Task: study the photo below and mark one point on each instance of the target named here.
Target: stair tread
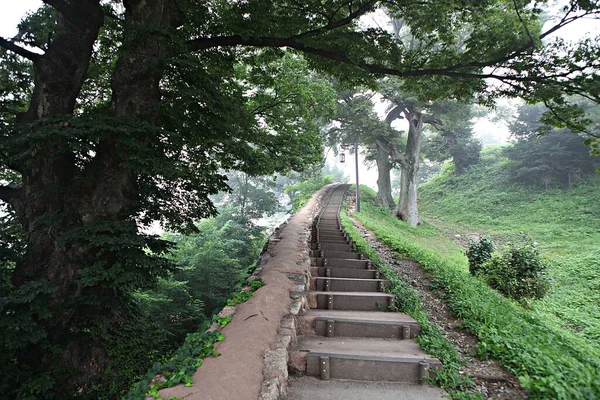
(357, 294)
(362, 316)
(349, 279)
(372, 348)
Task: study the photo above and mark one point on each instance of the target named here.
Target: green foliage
(301, 192)
(431, 338)
(253, 197)
(182, 365)
(455, 139)
(478, 252)
(518, 271)
(563, 221)
(550, 362)
(212, 261)
(557, 158)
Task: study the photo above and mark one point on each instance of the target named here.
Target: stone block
(297, 361)
(275, 362)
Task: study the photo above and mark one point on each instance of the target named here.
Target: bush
(518, 271)
(478, 252)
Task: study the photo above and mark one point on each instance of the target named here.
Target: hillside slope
(565, 223)
(551, 362)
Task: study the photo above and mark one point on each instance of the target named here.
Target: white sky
(11, 12)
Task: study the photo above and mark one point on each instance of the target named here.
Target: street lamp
(342, 155)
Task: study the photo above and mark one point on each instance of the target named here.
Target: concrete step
(365, 359)
(311, 388)
(338, 272)
(339, 240)
(329, 226)
(328, 218)
(327, 231)
(328, 222)
(391, 325)
(344, 255)
(333, 247)
(357, 301)
(332, 284)
(330, 236)
(346, 263)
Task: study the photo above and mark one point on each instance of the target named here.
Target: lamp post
(356, 161)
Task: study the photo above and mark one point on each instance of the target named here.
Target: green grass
(431, 338)
(550, 362)
(565, 223)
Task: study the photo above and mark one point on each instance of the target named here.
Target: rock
(269, 389)
(227, 311)
(296, 307)
(158, 379)
(276, 363)
(297, 361)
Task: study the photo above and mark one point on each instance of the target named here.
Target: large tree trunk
(75, 278)
(407, 209)
(49, 270)
(384, 184)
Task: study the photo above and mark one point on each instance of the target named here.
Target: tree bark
(384, 185)
(407, 209)
(53, 206)
(45, 200)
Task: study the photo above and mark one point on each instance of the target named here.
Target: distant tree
(252, 197)
(558, 157)
(335, 172)
(413, 108)
(455, 139)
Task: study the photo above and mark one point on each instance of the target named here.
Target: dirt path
(492, 380)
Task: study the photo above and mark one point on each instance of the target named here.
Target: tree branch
(339, 23)
(455, 71)
(7, 44)
(436, 122)
(523, 22)
(397, 156)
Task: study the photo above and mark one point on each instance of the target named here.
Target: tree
(146, 139)
(556, 157)
(455, 140)
(356, 120)
(408, 106)
(253, 197)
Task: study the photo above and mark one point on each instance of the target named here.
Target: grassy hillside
(551, 362)
(565, 223)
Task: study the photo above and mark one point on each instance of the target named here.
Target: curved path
(349, 345)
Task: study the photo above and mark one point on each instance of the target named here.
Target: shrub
(518, 271)
(478, 252)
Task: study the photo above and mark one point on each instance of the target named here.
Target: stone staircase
(348, 332)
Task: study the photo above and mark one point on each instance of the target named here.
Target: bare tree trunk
(384, 185)
(407, 209)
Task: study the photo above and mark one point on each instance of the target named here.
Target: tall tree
(357, 120)
(146, 140)
(409, 108)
